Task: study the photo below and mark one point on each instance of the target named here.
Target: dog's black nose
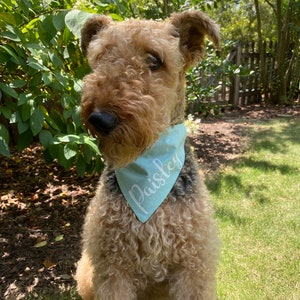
(103, 122)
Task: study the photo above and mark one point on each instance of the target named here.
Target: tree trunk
(166, 7)
(280, 82)
(262, 57)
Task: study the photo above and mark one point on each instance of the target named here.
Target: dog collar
(146, 182)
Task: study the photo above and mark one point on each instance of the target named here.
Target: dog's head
(136, 88)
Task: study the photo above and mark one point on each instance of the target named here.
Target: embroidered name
(147, 181)
(139, 194)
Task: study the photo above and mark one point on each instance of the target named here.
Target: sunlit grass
(257, 202)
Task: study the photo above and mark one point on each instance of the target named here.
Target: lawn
(257, 204)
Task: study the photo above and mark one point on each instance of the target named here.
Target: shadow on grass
(228, 215)
(266, 166)
(233, 184)
(273, 139)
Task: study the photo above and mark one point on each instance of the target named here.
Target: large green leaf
(4, 141)
(57, 151)
(25, 139)
(47, 78)
(59, 20)
(4, 149)
(6, 111)
(23, 98)
(58, 63)
(75, 20)
(90, 142)
(27, 110)
(80, 165)
(18, 83)
(36, 65)
(70, 138)
(22, 126)
(36, 121)
(70, 150)
(8, 90)
(46, 29)
(45, 138)
(12, 33)
(4, 133)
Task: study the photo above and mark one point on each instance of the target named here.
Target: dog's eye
(153, 62)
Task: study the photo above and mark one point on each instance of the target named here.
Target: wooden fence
(238, 89)
(245, 90)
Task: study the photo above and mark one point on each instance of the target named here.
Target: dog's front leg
(191, 285)
(114, 286)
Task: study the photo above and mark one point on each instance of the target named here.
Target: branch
(272, 6)
(132, 10)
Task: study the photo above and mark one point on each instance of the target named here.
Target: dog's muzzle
(103, 122)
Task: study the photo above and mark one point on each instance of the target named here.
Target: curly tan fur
(174, 254)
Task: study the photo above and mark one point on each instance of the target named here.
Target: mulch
(42, 206)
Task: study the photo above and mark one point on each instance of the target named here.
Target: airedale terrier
(149, 232)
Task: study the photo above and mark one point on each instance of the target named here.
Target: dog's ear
(90, 29)
(192, 27)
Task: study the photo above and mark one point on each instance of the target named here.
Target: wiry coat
(174, 254)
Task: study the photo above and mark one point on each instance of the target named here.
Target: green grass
(257, 203)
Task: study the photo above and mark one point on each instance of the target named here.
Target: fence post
(236, 79)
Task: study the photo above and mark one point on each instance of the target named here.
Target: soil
(42, 206)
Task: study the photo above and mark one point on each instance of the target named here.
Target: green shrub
(208, 77)
(41, 71)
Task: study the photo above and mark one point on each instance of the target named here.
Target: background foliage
(42, 65)
(41, 72)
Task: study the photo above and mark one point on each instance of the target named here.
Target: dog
(149, 232)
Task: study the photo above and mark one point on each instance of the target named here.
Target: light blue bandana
(146, 182)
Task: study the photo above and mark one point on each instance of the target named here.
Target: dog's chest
(150, 247)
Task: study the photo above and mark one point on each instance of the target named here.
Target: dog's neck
(146, 182)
